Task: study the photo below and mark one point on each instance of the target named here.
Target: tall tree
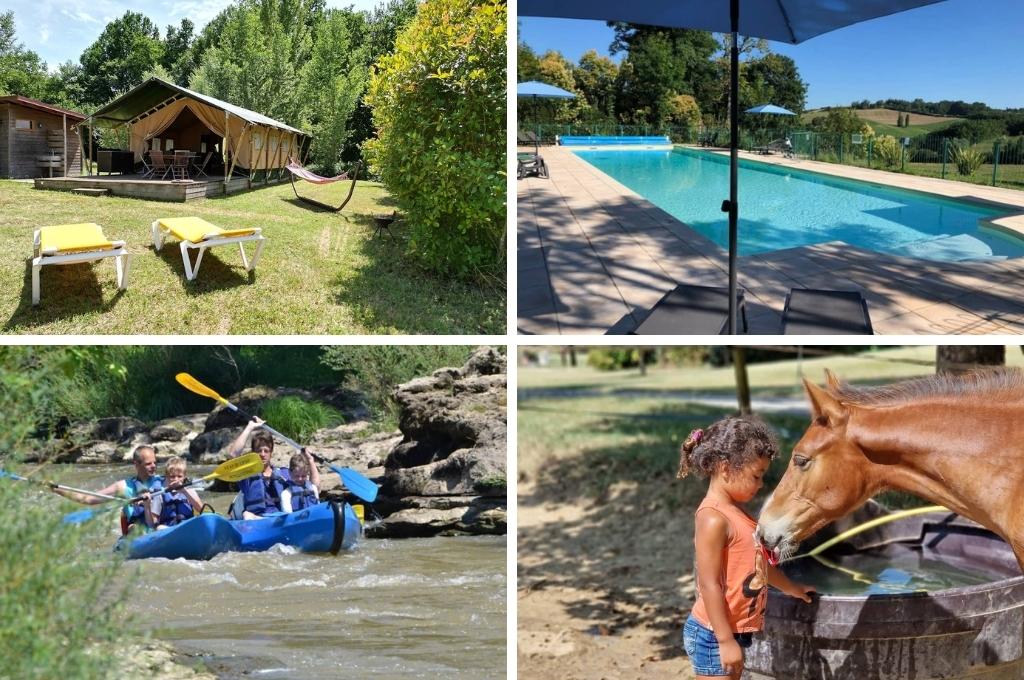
(963, 358)
(127, 49)
(527, 63)
(739, 363)
(660, 64)
(382, 28)
(780, 80)
(21, 71)
(595, 77)
(333, 81)
(179, 60)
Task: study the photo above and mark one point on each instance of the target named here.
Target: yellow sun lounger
(74, 243)
(194, 232)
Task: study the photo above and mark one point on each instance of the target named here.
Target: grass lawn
(588, 442)
(911, 130)
(773, 377)
(320, 272)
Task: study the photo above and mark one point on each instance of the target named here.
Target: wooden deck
(135, 186)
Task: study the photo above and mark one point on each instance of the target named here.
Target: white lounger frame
(159, 233)
(122, 262)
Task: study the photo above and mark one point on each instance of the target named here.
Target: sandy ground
(604, 586)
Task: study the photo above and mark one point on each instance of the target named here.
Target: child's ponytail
(686, 450)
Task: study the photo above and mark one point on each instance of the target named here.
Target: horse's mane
(1005, 383)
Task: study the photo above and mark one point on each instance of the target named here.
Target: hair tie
(696, 435)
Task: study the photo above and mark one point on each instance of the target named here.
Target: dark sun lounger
(692, 310)
(825, 312)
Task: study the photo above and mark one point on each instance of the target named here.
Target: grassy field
(883, 122)
(320, 272)
(768, 378)
(587, 443)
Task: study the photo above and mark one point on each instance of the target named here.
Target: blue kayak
(325, 527)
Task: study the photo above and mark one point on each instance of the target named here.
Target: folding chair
(180, 165)
(825, 312)
(160, 167)
(197, 233)
(201, 167)
(147, 169)
(74, 243)
(692, 310)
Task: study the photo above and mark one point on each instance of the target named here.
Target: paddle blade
(193, 385)
(237, 469)
(79, 516)
(5, 473)
(357, 483)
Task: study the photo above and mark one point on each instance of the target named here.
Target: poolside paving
(594, 256)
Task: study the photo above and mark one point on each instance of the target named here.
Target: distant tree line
(666, 77)
(293, 60)
(982, 121)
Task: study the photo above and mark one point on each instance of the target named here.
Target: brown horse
(954, 440)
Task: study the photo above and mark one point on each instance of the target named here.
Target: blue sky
(958, 49)
(60, 30)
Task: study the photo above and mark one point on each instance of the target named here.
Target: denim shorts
(701, 646)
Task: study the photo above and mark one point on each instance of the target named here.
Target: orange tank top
(744, 573)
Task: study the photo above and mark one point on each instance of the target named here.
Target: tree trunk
(739, 362)
(642, 357)
(963, 358)
(572, 356)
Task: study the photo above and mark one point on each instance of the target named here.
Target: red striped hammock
(296, 169)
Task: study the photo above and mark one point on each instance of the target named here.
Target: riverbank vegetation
(105, 380)
(61, 604)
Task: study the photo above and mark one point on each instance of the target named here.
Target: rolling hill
(883, 121)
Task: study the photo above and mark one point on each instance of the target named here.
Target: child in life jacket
(174, 505)
(732, 572)
(303, 489)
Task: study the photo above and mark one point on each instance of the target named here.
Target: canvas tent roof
(155, 91)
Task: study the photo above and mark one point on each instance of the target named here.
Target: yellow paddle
(353, 481)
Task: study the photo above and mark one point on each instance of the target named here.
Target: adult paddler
(143, 482)
(260, 494)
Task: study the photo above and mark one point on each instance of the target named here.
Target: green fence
(996, 162)
(547, 132)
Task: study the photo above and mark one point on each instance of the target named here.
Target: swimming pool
(784, 208)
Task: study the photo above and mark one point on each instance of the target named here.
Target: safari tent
(36, 138)
(158, 115)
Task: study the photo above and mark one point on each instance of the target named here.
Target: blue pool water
(784, 208)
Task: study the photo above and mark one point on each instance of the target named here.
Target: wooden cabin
(36, 138)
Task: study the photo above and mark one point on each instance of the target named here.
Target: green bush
(299, 418)
(375, 370)
(615, 358)
(439, 108)
(138, 381)
(925, 156)
(61, 603)
(887, 151)
(967, 160)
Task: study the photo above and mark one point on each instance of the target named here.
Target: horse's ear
(824, 406)
(832, 381)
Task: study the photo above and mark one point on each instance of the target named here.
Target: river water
(412, 608)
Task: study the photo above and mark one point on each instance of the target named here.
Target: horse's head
(827, 477)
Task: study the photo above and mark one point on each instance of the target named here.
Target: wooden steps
(91, 192)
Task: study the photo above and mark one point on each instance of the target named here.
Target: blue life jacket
(176, 508)
(302, 496)
(262, 495)
(135, 512)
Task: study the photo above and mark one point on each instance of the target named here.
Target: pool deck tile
(594, 256)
